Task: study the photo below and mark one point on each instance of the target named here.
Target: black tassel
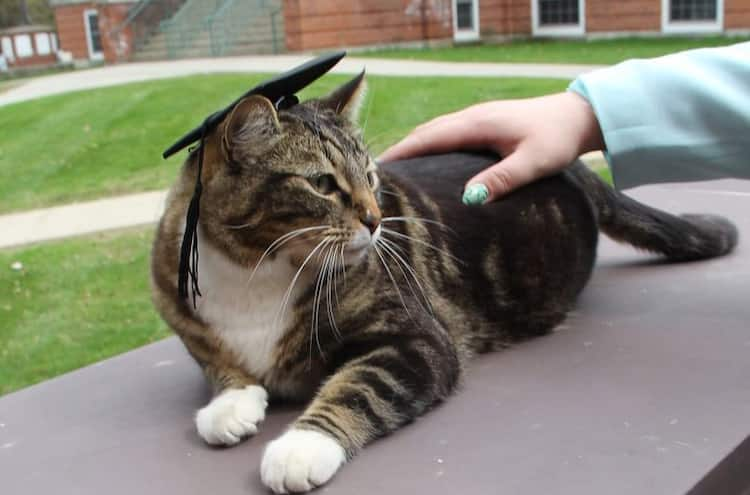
(189, 250)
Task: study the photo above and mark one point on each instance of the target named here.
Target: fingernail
(475, 194)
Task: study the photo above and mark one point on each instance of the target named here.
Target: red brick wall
(71, 33)
(71, 30)
(737, 14)
(34, 60)
(618, 15)
(505, 17)
(330, 23)
(116, 47)
(333, 23)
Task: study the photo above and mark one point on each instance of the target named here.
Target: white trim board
(465, 34)
(690, 27)
(92, 54)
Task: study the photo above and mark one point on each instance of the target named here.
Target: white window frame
(690, 27)
(465, 34)
(92, 54)
(8, 49)
(562, 30)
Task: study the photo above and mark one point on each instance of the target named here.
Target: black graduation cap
(280, 91)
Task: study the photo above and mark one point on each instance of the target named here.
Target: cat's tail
(679, 238)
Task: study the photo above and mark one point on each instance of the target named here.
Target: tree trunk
(24, 11)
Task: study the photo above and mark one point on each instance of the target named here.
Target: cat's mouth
(357, 247)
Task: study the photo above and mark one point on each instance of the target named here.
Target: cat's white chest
(245, 313)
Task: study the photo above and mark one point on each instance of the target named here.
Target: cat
(364, 291)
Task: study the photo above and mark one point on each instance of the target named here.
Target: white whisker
(343, 264)
(338, 255)
(280, 241)
(393, 280)
(288, 293)
(317, 295)
(387, 245)
(417, 220)
(329, 304)
(419, 241)
(389, 193)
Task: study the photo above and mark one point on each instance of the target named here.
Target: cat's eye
(324, 184)
(372, 179)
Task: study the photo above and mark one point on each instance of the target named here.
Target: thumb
(500, 179)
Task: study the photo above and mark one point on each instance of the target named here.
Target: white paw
(232, 415)
(300, 460)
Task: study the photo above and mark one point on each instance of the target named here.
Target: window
(692, 16)
(93, 37)
(465, 20)
(7, 46)
(558, 17)
(23, 45)
(692, 10)
(464, 15)
(42, 44)
(558, 12)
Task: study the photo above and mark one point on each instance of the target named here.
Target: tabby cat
(365, 291)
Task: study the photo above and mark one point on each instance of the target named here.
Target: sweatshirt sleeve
(676, 118)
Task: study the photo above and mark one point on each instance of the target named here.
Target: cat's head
(303, 171)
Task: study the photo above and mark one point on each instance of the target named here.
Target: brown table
(644, 391)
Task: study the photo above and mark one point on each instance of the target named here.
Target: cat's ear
(252, 122)
(347, 100)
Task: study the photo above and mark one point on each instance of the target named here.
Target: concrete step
(150, 56)
(256, 37)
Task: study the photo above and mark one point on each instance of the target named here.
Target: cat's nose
(370, 220)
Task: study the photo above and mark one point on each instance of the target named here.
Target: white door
(93, 36)
(465, 20)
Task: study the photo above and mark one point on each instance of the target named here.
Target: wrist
(589, 133)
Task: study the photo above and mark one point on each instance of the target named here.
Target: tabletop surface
(644, 389)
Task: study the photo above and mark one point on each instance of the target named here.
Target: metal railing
(144, 20)
(204, 27)
(188, 24)
(252, 22)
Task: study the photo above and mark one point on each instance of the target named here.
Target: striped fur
(399, 283)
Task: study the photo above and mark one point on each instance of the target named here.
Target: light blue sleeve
(680, 117)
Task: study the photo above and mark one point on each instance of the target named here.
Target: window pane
(7, 46)
(42, 44)
(558, 12)
(464, 14)
(96, 40)
(692, 10)
(23, 45)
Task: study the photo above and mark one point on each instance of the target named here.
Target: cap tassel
(189, 249)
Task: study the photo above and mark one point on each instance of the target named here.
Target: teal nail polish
(475, 194)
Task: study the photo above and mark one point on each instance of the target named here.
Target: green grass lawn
(109, 141)
(74, 302)
(559, 51)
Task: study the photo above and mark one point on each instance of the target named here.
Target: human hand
(536, 137)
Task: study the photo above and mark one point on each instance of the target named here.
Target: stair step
(257, 36)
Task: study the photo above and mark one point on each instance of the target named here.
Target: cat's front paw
(300, 460)
(232, 415)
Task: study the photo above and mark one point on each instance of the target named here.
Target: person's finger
(439, 137)
(516, 170)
